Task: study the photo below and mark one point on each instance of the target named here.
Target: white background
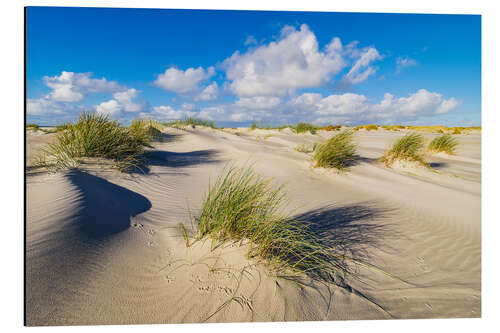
(12, 148)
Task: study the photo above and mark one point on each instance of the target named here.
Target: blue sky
(237, 67)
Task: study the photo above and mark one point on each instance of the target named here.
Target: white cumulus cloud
(74, 87)
(169, 113)
(283, 66)
(350, 108)
(182, 82)
(209, 93)
(126, 101)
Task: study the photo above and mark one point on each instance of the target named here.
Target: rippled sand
(104, 247)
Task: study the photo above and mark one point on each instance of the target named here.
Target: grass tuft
(443, 143)
(33, 127)
(338, 152)
(243, 206)
(95, 135)
(408, 148)
(305, 127)
(332, 128)
(371, 127)
(190, 121)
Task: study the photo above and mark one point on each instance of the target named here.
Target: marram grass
(305, 127)
(190, 121)
(95, 135)
(443, 143)
(243, 206)
(338, 152)
(408, 148)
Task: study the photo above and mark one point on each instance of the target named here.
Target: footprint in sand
(428, 305)
(206, 288)
(423, 266)
(225, 290)
(169, 279)
(151, 232)
(137, 225)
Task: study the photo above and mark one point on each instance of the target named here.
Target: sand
(104, 247)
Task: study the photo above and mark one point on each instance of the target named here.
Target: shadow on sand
(106, 207)
(351, 232)
(437, 165)
(176, 160)
(350, 229)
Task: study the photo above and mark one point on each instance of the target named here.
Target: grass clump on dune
(408, 148)
(191, 121)
(305, 127)
(243, 206)
(338, 152)
(95, 135)
(443, 143)
(332, 128)
(371, 127)
(33, 127)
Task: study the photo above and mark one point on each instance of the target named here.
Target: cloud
(210, 93)
(250, 41)
(67, 89)
(257, 102)
(402, 62)
(126, 101)
(44, 105)
(110, 108)
(169, 113)
(283, 66)
(361, 69)
(352, 108)
(346, 108)
(182, 82)
(74, 87)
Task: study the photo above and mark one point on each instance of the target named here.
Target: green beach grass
(95, 135)
(243, 206)
(444, 143)
(408, 148)
(338, 152)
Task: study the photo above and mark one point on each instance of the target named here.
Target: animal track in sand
(423, 266)
(169, 279)
(137, 225)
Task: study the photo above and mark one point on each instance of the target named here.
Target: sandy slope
(105, 248)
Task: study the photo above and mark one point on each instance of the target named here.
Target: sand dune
(104, 247)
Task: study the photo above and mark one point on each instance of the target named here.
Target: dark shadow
(437, 165)
(356, 160)
(348, 233)
(167, 137)
(106, 207)
(360, 159)
(350, 229)
(173, 159)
